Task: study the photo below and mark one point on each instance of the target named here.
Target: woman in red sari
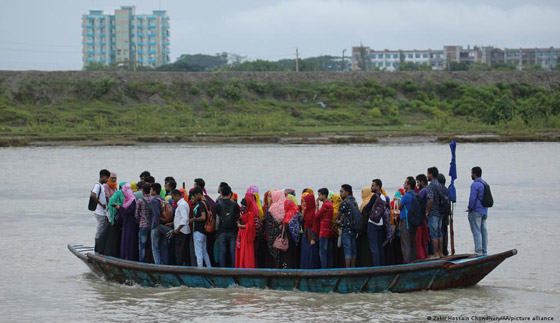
(245, 248)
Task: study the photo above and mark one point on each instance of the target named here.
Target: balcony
(166, 52)
(102, 35)
(151, 18)
(102, 26)
(140, 34)
(152, 43)
(140, 51)
(89, 34)
(139, 26)
(165, 26)
(140, 60)
(90, 52)
(151, 35)
(102, 51)
(101, 18)
(152, 60)
(140, 43)
(102, 43)
(152, 26)
(89, 43)
(151, 51)
(89, 26)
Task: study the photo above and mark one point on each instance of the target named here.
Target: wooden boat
(454, 271)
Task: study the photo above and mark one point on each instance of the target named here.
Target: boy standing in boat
(345, 218)
(160, 243)
(200, 213)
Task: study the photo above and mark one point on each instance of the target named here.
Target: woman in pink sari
(245, 248)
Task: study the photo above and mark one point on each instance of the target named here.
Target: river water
(45, 191)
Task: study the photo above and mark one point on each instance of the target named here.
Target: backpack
(210, 224)
(378, 209)
(228, 220)
(166, 212)
(487, 199)
(92, 205)
(356, 220)
(417, 211)
(444, 203)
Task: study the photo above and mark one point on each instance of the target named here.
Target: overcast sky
(46, 34)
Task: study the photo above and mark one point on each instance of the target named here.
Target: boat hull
(451, 272)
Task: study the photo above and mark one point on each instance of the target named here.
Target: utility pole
(342, 67)
(297, 60)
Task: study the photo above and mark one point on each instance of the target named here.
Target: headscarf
(290, 209)
(234, 197)
(366, 197)
(128, 195)
(336, 200)
(248, 217)
(118, 199)
(308, 210)
(265, 201)
(255, 191)
(331, 193)
(277, 208)
(290, 191)
(133, 186)
(305, 191)
(293, 198)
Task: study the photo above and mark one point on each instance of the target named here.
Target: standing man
(98, 195)
(444, 221)
(432, 211)
(408, 231)
(478, 213)
(228, 213)
(324, 218)
(181, 229)
(210, 237)
(160, 244)
(345, 218)
(375, 229)
(199, 235)
(143, 215)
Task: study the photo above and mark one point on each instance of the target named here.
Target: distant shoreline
(280, 139)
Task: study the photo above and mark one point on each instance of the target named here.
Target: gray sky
(46, 34)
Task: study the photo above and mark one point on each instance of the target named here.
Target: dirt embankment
(14, 79)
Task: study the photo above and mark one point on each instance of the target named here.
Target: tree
(363, 62)
(197, 63)
(459, 66)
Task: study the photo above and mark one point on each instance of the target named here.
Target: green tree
(363, 61)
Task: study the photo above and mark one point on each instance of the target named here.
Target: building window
(425, 55)
(387, 55)
(379, 55)
(417, 55)
(409, 55)
(395, 55)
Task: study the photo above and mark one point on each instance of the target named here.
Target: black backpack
(417, 211)
(444, 203)
(92, 205)
(487, 199)
(226, 212)
(378, 209)
(356, 221)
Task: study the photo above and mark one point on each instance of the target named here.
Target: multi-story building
(126, 37)
(390, 60)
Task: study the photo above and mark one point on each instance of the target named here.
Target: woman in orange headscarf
(245, 247)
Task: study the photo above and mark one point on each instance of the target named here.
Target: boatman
(478, 213)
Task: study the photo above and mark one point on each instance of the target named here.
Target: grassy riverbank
(116, 109)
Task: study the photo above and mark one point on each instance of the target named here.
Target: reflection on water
(44, 199)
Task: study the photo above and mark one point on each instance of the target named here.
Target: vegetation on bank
(104, 108)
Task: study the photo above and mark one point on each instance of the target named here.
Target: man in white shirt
(98, 195)
(181, 229)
